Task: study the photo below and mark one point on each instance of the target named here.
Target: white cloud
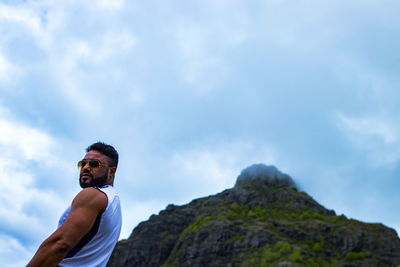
(210, 169)
(207, 168)
(193, 40)
(32, 143)
(376, 135)
(378, 127)
(12, 252)
(201, 48)
(22, 203)
(69, 60)
(22, 15)
(31, 20)
(45, 26)
(8, 71)
(96, 50)
(113, 5)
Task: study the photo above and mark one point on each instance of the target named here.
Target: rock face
(256, 223)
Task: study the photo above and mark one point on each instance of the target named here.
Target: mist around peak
(269, 174)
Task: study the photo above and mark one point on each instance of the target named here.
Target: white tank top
(95, 248)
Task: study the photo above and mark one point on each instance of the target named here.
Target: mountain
(264, 220)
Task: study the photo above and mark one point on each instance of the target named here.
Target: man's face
(95, 176)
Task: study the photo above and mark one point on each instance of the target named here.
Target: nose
(85, 167)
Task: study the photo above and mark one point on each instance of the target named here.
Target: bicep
(82, 216)
(79, 221)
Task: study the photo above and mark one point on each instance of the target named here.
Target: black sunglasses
(93, 163)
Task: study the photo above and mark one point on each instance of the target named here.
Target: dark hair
(107, 150)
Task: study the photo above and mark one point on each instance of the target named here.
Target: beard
(95, 181)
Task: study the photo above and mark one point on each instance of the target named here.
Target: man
(89, 229)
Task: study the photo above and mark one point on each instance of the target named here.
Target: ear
(111, 171)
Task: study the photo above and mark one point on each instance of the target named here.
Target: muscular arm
(84, 209)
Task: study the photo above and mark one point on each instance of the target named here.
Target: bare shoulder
(91, 198)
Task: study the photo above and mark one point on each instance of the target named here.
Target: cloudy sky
(190, 93)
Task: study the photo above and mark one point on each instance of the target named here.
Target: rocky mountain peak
(267, 174)
(262, 221)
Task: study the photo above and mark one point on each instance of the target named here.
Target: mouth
(85, 176)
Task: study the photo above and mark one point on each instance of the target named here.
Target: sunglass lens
(81, 164)
(94, 163)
